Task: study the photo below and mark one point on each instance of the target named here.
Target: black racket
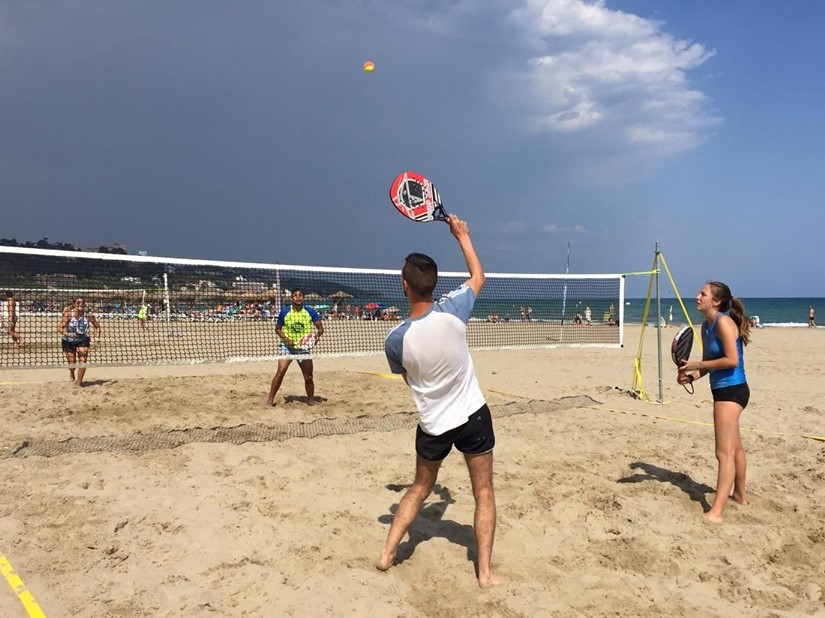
(416, 198)
(680, 350)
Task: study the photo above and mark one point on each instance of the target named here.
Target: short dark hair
(9, 293)
(421, 273)
(296, 290)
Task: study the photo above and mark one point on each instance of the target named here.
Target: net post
(167, 305)
(637, 383)
(277, 290)
(659, 326)
(621, 310)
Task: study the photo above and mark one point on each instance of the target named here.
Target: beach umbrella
(372, 306)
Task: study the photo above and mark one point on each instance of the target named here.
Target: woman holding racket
(294, 328)
(725, 332)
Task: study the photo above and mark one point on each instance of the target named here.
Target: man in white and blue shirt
(429, 349)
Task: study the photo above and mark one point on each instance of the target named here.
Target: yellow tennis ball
(369, 66)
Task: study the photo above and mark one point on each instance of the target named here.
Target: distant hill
(44, 243)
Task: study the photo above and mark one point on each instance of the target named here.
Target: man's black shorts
(739, 393)
(475, 437)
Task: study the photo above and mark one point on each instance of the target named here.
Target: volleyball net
(178, 311)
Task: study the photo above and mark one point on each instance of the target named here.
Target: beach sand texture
(174, 491)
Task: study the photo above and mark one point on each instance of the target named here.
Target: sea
(771, 312)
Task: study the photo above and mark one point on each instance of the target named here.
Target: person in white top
(9, 314)
(75, 330)
(429, 349)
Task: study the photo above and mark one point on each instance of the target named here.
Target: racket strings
(680, 350)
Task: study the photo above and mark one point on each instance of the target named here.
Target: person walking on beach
(9, 313)
(429, 349)
(725, 332)
(74, 327)
(811, 320)
(294, 323)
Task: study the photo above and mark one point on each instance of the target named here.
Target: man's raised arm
(461, 231)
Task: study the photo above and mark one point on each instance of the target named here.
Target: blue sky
(247, 131)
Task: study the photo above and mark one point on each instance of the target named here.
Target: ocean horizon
(789, 312)
(772, 312)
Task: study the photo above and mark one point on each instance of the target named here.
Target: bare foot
(740, 499)
(310, 402)
(270, 403)
(490, 581)
(385, 561)
(713, 518)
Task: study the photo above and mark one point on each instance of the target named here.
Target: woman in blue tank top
(725, 332)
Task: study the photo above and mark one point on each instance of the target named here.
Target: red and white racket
(307, 342)
(416, 198)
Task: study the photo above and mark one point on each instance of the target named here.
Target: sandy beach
(174, 491)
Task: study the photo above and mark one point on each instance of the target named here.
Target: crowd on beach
(245, 310)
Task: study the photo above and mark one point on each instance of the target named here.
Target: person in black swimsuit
(74, 328)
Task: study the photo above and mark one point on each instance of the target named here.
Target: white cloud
(617, 76)
(520, 228)
(514, 227)
(552, 228)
